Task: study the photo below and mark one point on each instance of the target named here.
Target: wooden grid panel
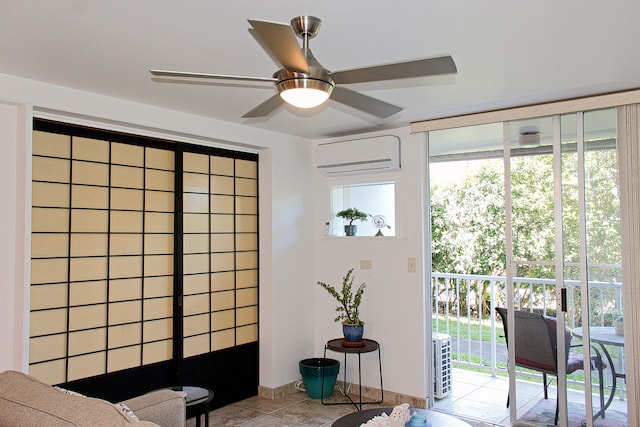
(220, 261)
(102, 256)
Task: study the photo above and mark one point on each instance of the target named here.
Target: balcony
(463, 307)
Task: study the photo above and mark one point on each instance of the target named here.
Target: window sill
(360, 238)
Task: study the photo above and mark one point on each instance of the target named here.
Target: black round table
(368, 346)
(436, 419)
(197, 400)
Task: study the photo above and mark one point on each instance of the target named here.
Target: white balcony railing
(464, 308)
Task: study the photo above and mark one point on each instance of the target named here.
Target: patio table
(602, 336)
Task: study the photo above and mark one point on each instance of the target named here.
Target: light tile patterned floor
(476, 397)
(296, 410)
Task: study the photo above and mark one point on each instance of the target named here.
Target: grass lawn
(472, 328)
(465, 328)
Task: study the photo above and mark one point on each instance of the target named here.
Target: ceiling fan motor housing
(306, 26)
(317, 77)
(314, 80)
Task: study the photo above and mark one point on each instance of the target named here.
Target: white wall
(296, 317)
(286, 249)
(394, 300)
(14, 168)
(286, 301)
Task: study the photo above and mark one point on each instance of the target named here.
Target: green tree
(468, 227)
(468, 218)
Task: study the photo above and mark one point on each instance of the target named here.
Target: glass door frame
(559, 266)
(627, 105)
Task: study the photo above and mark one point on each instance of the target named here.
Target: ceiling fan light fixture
(304, 92)
(304, 97)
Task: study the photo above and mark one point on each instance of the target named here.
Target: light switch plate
(411, 265)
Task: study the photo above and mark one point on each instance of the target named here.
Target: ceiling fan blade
(265, 108)
(364, 103)
(399, 70)
(169, 73)
(281, 43)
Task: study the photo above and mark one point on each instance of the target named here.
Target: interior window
(376, 199)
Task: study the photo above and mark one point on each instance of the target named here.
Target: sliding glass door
(564, 261)
(554, 303)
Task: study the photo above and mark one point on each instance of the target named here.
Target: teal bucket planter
(312, 372)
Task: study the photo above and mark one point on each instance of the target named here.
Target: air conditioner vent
(367, 155)
(441, 365)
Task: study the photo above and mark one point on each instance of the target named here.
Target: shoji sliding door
(144, 264)
(220, 267)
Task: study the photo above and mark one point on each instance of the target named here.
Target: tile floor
(476, 397)
(295, 410)
(482, 397)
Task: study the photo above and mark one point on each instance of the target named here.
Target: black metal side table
(197, 399)
(338, 346)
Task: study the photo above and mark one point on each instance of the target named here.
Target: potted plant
(615, 316)
(348, 307)
(618, 325)
(351, 214)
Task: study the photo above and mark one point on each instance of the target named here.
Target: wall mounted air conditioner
(366, 155)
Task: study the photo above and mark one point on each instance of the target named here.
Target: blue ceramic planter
(352, 333)
(350, 230)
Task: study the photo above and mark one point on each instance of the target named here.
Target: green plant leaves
(349, 303)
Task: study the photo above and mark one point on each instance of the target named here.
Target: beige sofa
(25, 401)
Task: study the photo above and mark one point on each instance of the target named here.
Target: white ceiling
(508, 53)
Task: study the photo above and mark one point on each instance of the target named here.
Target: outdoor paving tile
(444, 406)
(618, 405)
(526, 394)
(525, 405)
(470, 377)
(460, 389)
(480, 410)
(498, 383)
(487, 395)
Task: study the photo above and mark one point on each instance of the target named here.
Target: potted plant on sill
(351, 214)
(348, 308)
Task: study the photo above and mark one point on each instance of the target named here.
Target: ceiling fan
(303, 82)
